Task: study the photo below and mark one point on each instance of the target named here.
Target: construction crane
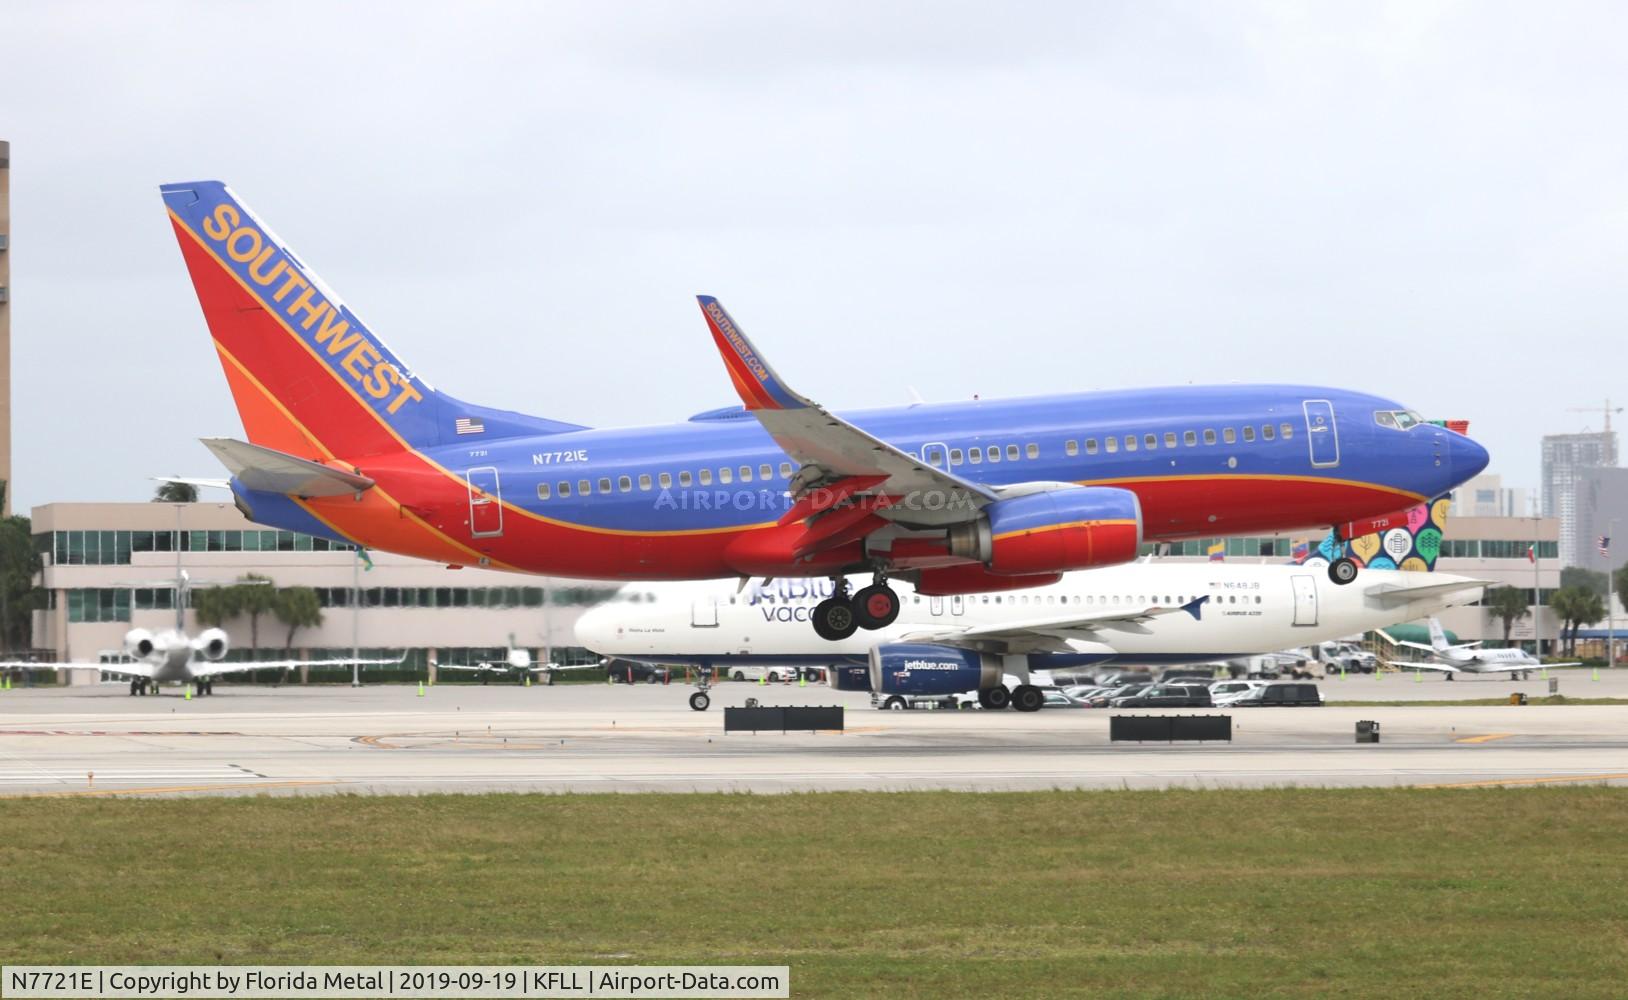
(1606, 410)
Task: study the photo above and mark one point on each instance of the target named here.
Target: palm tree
(1508, 605)
(297, 607)
(214, 606)
(256, 596)
(1575, 607)
(170, 491)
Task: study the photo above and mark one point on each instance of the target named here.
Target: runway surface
(601, 738)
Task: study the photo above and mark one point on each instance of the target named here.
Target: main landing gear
(1023, 698)
(840, 616)
(1342, 570)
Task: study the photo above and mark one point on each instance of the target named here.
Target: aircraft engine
(849, 677)
(928, 669)
(138, 642)
(1053, 532)
(211, 643)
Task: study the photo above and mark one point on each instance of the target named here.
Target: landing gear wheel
(995, 698)
(1342, 570)
(700, 700)
(133, 689)
(876, 606)
(895, 704)
(1028, 698)
(738, 676)
(834, 619)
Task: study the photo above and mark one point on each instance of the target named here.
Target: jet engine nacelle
(928, 669)
(849, 677)
(138, 642)
(211, 644)
(1053, 532)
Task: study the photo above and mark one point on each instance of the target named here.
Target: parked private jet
(1465, 658)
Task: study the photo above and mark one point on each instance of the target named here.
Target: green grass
(1551, 699)
(1282, 893)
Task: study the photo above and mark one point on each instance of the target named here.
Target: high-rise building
(1565, 458)
(1487, 496)
(5, 323)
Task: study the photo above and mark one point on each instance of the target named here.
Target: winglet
(1195, 606)
(759, 387)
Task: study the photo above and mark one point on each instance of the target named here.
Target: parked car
(1058, 699)
(1280, 693)
(1166, 696)
(1116, 678)
(1101, 699)
(1183, 675)
(1084, 692)
(1226, 692)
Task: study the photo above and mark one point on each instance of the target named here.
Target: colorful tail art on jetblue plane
(346, 440)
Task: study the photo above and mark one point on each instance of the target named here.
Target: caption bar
(395, 981)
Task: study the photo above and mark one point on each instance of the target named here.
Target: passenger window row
(1130, 442)
(705, 477)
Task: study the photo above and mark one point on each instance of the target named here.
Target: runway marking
(1529, 781)
(167, 790)
(1488, 738)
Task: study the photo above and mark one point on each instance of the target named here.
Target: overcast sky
(1428, 201)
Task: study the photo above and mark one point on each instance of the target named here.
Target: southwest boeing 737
(346, 441)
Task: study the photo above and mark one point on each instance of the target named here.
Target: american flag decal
(1605, 546)
(469, 425)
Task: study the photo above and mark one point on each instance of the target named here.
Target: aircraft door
(1323, 436)
(934, 453)
(485, 503)
(704, 614)
(1305, 599)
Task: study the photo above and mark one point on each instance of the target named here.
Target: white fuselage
(1487, 660)
(1251, 609)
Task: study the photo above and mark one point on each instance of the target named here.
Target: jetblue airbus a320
(346, 441)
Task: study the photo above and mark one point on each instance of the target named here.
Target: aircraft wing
(1438, 667)
(215, 669)
(1051, 634)
(477, 668)
(831, 450)
(127, 669)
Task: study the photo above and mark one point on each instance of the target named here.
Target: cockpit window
(1400, 420)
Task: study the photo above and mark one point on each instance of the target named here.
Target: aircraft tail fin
(1409, 539)
(1438, 638)
(309, 377)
